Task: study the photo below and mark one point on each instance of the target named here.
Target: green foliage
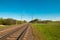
(19, 22)
(24, 21)
(34, 21)
(40, 21)
(50, 31)
(1, 21)
(10, 21)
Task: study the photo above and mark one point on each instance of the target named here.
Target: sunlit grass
(49, 31)
(2, 26)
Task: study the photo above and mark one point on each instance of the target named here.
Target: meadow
(50, 31)
(2, 26)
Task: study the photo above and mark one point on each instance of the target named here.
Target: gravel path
(28, 34)
(12, 33)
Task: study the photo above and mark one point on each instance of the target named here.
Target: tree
(34, 21)
(8, 21)
(24, 21)
(1, 21)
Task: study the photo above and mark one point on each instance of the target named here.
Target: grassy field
(50, 31)
(2, 26)
(6, 26)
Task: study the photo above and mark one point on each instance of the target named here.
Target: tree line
(40, 21)
(10, 21)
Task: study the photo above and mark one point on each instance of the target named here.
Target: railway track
(13, 33)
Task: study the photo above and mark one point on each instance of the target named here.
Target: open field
(50, 31)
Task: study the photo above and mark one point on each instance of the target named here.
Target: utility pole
(32, 16)
(21, 17)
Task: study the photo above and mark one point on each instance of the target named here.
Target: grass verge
(46, 31)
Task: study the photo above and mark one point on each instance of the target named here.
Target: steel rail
(22, 33)
(9, 33)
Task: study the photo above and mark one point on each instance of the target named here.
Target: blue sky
(41, 9)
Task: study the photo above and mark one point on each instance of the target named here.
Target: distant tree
(18, 22)
(40, 21)
(24, 21)
(1, 21)
(9, 21)
(34, 21)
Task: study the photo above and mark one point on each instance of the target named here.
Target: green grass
(2, 27)
(6, 26)
(49, 31)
